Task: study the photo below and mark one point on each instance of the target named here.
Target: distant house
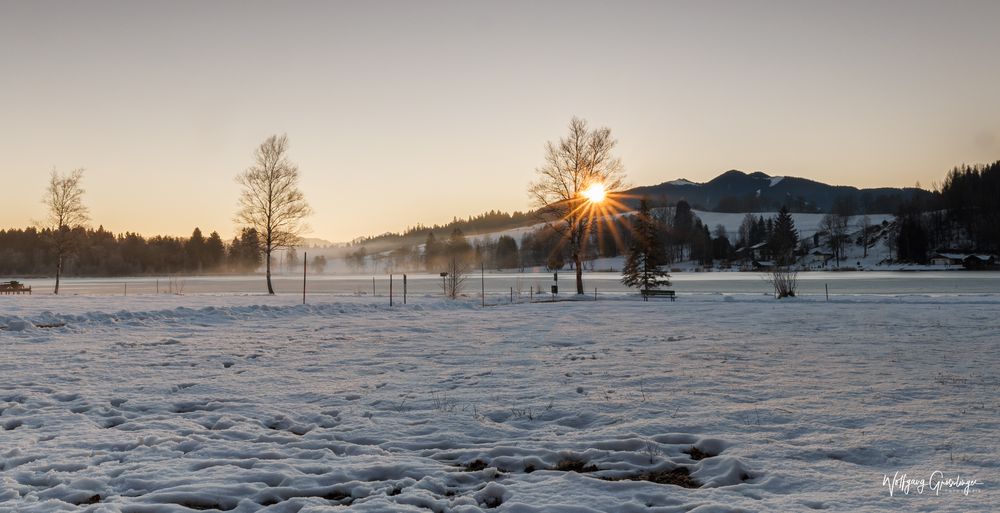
(947, 258)
(979, 261)
(755, 252)
(967, 260)
(818, 257)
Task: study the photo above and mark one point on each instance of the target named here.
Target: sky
(407, 112)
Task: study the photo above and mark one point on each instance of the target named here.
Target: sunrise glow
(595, 193)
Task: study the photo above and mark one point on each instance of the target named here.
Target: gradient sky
(406, 112)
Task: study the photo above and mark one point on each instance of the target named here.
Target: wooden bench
(646, 294)
(14, 287)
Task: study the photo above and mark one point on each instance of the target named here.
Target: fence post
(305, 265)
(404, 288)
(390, 289)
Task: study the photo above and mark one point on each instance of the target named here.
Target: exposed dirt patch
(679, 476)
(93, 499)
(698, 454)
(474, 466)
(492, 502)
(53, 325)
(575, 465)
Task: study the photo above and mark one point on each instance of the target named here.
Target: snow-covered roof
(963, 256)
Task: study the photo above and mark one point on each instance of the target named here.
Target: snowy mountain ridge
(736, 191)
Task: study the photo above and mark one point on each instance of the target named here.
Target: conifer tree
(784, 238)
(215, 251)
(646, 257)
(432, 253)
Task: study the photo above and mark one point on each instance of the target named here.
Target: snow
(775, 180)
(254, 403)
(681, 181)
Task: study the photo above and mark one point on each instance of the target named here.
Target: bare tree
(578, 162)
(746, 229)
(458, 272)
(865, 224)
(836, 228)
(271, 201)
(785, 281)
(64, 201)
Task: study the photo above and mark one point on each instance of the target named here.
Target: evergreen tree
(646, 258)
(705, 245)
(245, 254)
(683, 220)
(506, 253)
(432, 253)
(760, 231)
(721, 247)
(784, 238)
(319, 264)
(911, 242)
(194, 251)
(458, 247)
(357, 259)
(215, 251)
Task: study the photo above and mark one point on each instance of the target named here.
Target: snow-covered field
(712, 403)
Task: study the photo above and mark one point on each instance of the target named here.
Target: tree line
(962, 215)
(98, 252)
(487, 222)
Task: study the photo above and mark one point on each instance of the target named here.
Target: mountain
(736, 191)
(731, 192)
(313, 242)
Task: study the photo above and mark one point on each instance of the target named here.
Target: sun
(595, 193)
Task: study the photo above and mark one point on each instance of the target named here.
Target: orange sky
(406, 112)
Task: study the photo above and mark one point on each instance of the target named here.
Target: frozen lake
(869, 282)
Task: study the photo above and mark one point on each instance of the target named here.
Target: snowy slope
(258, 404)
(806, 224)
